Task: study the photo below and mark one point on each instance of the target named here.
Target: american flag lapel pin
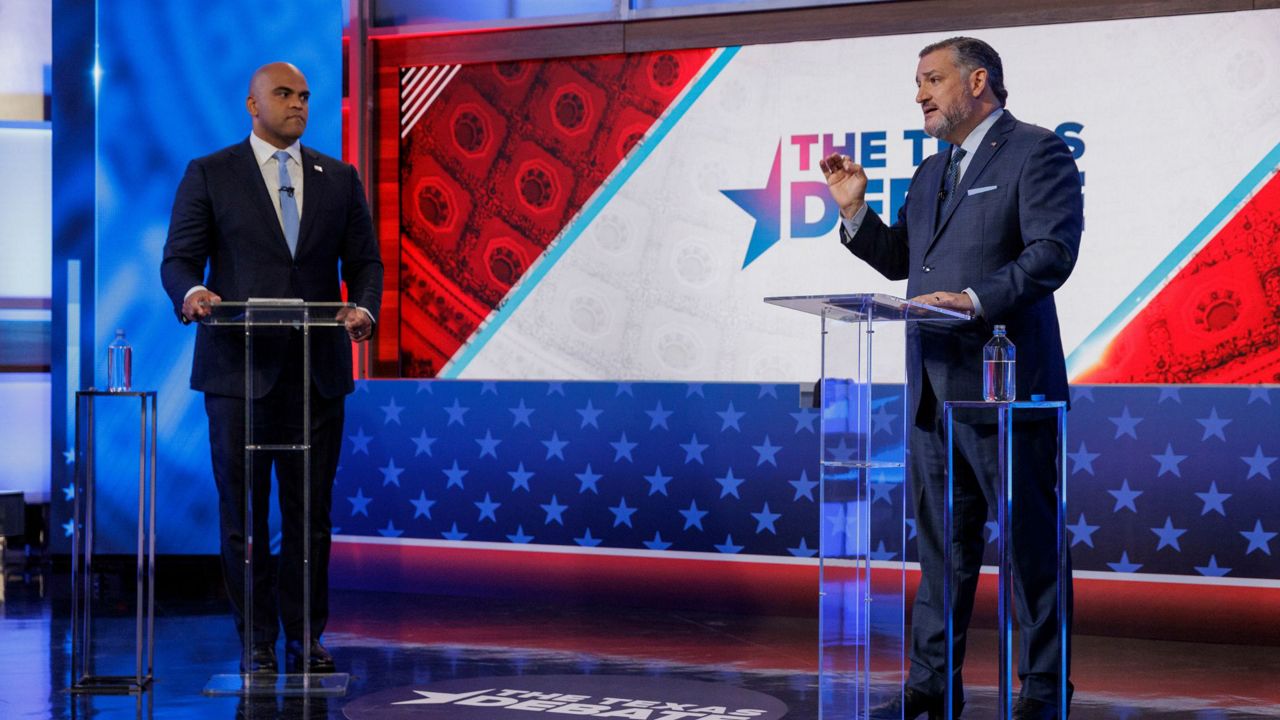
(318, 168)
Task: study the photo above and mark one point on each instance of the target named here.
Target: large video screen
(622, 217)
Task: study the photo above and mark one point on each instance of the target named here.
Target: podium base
(314, 684)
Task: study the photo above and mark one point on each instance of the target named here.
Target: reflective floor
(390, 640)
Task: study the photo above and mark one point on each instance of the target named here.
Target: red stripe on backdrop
(1194, 612)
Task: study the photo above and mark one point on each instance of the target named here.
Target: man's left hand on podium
(947, 300)
(357, 322)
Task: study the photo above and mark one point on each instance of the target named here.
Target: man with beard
(991, 226)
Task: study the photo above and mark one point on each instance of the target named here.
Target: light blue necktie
(288, 205)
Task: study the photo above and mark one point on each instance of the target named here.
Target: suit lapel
(314, 187)
(991, 144)
(251, 176)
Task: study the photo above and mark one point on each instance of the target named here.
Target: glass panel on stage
(862, 622)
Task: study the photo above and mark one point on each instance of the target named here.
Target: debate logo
(804, 208)
(590, 696)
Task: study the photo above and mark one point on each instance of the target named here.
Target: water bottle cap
(119, 332)
(999, 329)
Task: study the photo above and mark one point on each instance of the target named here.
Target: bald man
(269, 218)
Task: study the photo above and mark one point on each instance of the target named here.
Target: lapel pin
(993, 144)
(320, 169)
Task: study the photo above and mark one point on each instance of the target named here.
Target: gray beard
(951, 119)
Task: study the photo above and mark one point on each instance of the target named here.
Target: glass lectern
(862, 575)
(258, 316)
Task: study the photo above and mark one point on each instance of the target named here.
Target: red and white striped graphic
(419, 88)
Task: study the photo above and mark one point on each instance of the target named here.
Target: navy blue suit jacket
(224, 221)
(1013, 236)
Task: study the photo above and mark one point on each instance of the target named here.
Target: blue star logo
(422, 506)
(487, 508)
(1259, 464)
(1125, 497)
(360, 442)
(588, 480)
(555, 446)
(804, 486)
(392, 412)
(765, 205)
(658, 417)
(1169, 461)
(730, 418)
(390, 530)
(729, 484)
(622, 448)
(1082, 459)
(586, 540)
(1124, 566)
(1213, 500)
(657, 481)
(766, 519)
(622, 514)
(453, 533)
(488, 445)
(554, 511)
(803, 550)
(693, 450)
(456, 411)
(1212, 569)
(1258, 538)
(693, 516)
(391, 473)
(768, 452)
(360, 503)
(1213, 425)
(728, 547)
(805, 419)
(520, 477)
(590, 415)
(520, 414)
(423, 443)
(657, 543)
(455, 475)
(1168, 535)
(1126, 424)
(520, 537)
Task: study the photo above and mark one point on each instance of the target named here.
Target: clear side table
(1005, 412)
(83, 677)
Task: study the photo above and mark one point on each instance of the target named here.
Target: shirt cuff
(977, 304)
(372, 319)
(192, 290)
(851, 224)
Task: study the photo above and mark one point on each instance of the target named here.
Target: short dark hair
(971, 54)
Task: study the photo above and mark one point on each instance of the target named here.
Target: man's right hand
(846, 181)
(199, 305)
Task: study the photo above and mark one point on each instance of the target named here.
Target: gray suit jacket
(1014, 241)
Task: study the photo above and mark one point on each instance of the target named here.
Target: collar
(974, 140)
(264, 151)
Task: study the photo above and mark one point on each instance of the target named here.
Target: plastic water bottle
(119, 364)
(998, 377)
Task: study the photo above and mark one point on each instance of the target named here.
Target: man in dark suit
(270, 218)
(991, 226)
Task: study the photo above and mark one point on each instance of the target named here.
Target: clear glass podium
(252, 316)
(863, 645)
(1006, 492)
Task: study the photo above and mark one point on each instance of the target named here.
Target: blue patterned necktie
(953, 177)
(288, 205)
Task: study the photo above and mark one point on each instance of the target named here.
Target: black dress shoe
(1031, 709)
(321, 661)
(912, 704)
(262, 659)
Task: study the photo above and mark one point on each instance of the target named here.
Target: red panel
(504, 158)
(1217, 320)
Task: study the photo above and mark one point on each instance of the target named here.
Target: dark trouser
(1034, 544)
(277, 419)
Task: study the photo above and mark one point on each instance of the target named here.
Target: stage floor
(389, 641)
